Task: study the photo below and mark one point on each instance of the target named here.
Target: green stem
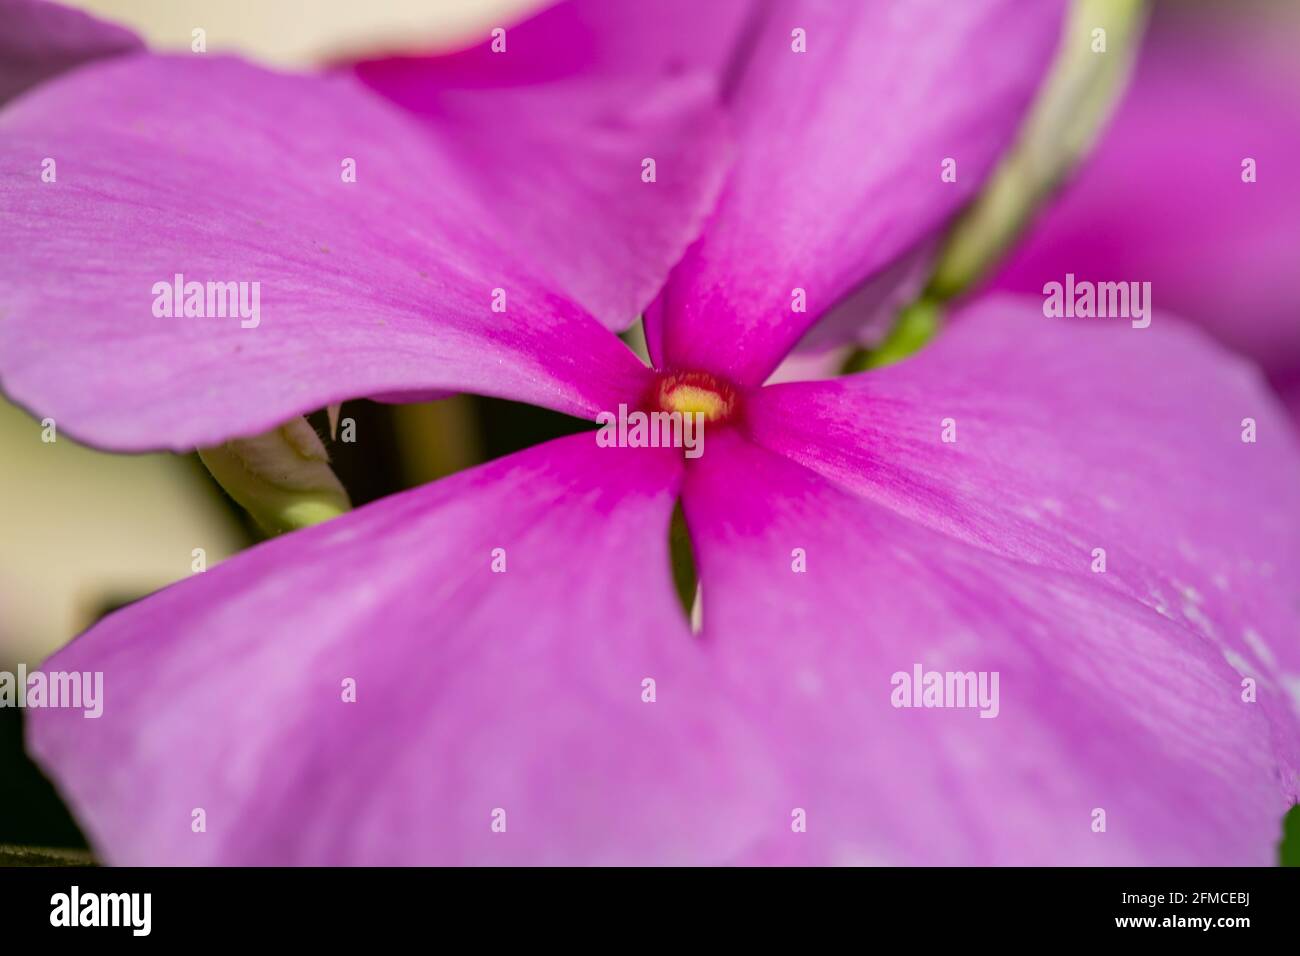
(915, 325)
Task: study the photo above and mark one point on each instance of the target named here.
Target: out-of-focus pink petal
(840, 160)
(224, 172)
(1161, 199)
(39, 40)
(1288, 389)
(567, 158)
(475, 690)
(595, 71)
(587, 40)
(866, 316)
(1119, 690)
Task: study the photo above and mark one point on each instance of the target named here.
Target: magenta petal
(1074, 432)
(224, 172)
(613, 76)
(1119, 690)
(841, 151)
(39, 40)
(1102, 704)
(1161, 199)
(484, 698)
(474, 690)
(588, 40)
(592, 228)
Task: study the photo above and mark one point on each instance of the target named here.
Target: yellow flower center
(692, 392)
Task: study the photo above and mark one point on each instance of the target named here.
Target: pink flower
(527, 689)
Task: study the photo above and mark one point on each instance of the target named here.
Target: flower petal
(223, 172)
(1119, 691)
(1100, 703)
(1064, 438)
(39, 40)
(475, 690)
(841, 157)
(609, 74)
(580, 39)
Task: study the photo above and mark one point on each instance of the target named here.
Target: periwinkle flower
(527, 689)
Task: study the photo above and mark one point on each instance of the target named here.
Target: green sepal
(282, 477)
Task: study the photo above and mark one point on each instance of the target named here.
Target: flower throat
(675, 411)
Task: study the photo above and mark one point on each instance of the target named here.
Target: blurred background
(82, 532)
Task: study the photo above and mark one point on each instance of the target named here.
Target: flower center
(691, 392)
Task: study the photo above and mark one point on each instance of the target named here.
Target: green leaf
(1288, 851)
(682, 555)
(43, 856)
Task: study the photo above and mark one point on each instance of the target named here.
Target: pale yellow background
(80, 529)
(299, 32)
